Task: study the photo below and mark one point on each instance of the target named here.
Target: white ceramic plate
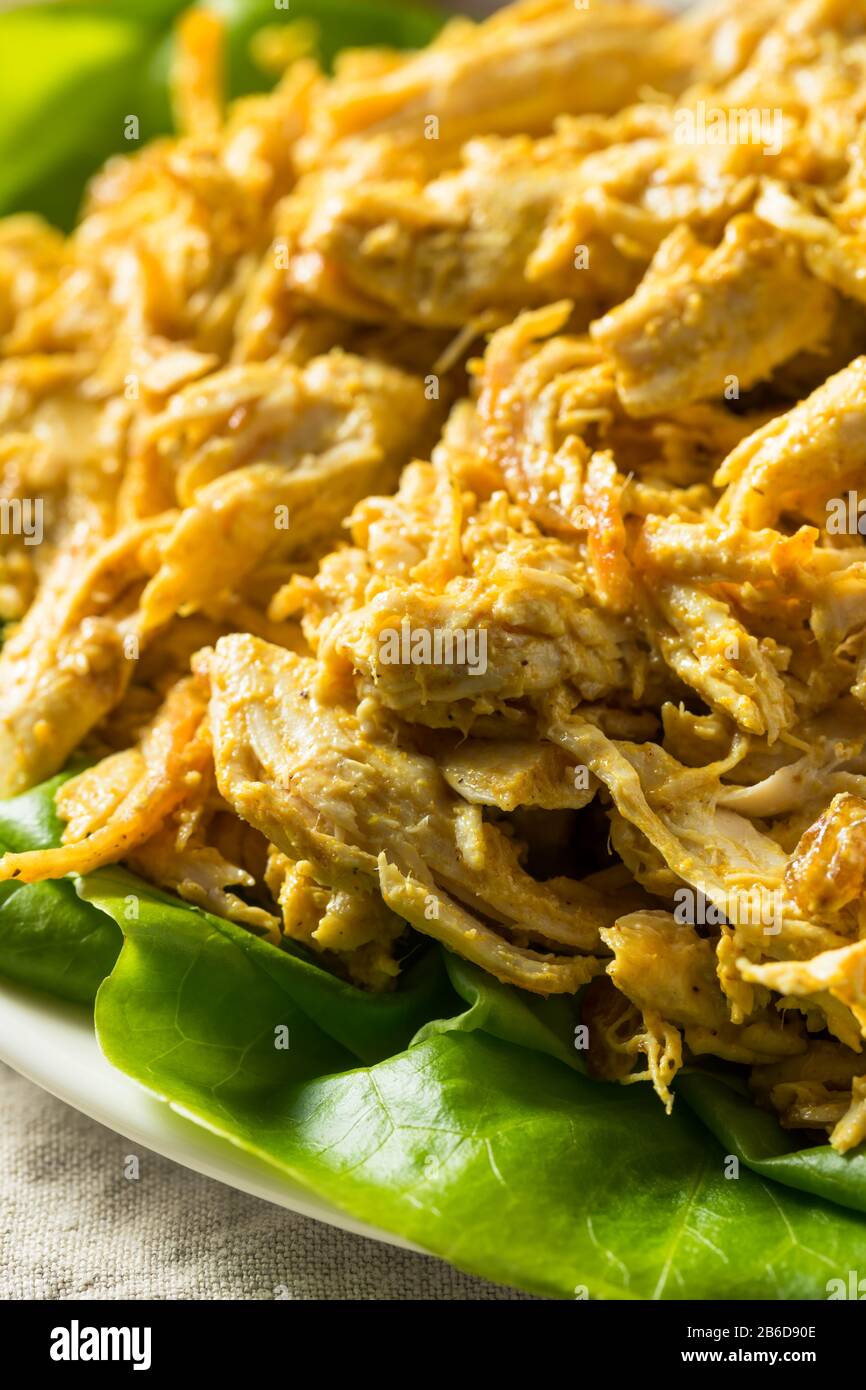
(54, 1044)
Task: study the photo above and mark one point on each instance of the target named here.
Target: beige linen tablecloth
(72, 1226)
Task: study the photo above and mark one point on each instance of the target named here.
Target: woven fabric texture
(72, 1225)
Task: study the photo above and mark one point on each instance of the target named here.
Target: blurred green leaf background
(72, 71)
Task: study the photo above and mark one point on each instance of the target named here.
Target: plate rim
(69, 1040)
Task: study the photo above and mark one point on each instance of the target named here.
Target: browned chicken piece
(444, 918)
(443, 660)
(351, 928)
(723, 35)
(191, 849)
(809, 1105)
(200, 874)
(800, 459)
(512, 774)
(667, 970)
(272, 458)
(839, 257)
(825, 1062)
(456, 251)
(535, 404)
(823, 1089)
(710, 650)
(809, 66)
(680, 832)
(619, 1033)
(457, 608)
(828, 868)
(141, 793)
(169, 242)
(492, 612)
(516, 72)
(618, 618)
(712, 552)
(553, 426)
(32, 256)
(68, 663)
(327, 790)
(834, 245)
(649, 790)
(198, 79)
(613, 1024)
(704, 319)
(519, 223)
(666, 981)
(841, 973)
(62, 442)
(850, 1130)
(279, 413)
(663, 965)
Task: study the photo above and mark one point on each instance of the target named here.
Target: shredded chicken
(450, 479)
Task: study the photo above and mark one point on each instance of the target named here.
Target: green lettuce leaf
(335, 24)
(338, 24)
(492, 1155)
(758, 1140)
(235, 980)
(441, 1112)
(722, 1102)
(72, 72)
(66, 81)
(49, 938)
(544, 1025)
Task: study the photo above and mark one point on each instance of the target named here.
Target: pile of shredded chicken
(473, 344)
